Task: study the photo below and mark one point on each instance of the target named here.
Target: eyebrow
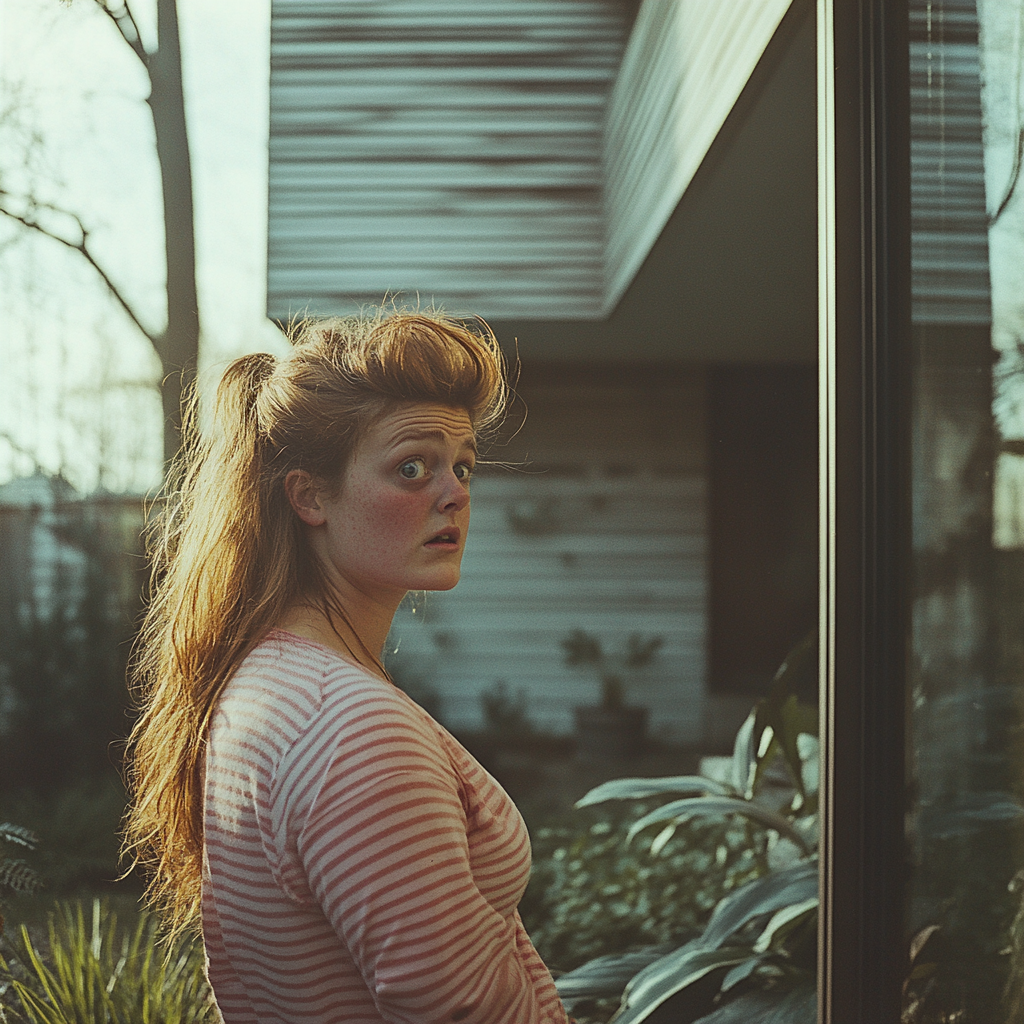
(469, 441)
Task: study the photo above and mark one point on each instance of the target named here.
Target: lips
(448, 538)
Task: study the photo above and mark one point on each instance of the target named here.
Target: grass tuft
(89, 970)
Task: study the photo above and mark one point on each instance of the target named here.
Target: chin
(440, 581)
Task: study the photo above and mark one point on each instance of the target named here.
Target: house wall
(601, 527)
(448, 151)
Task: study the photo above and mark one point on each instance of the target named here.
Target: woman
(349, 860)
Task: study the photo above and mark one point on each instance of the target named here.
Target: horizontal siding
(949, 223)
(548, 553)
(447, 151)
(686, 64)
(519, 595)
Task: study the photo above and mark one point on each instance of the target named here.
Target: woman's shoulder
(285, 681)
(307, 673)
(292, 699)
(362, 723)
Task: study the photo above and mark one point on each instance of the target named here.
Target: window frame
(864, 413)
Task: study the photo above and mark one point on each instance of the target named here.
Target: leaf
(784, 921)
(659, 841)
(917, 943)
(793, 719)
(640, 652)
(762, 896)
(797, 1006)
(18, 835)
(742, 971)
(671, 974)
(785, 720)
(17, 876)
(744, 755)
(582, 648)
(641, 789)
(798, 673)
(679, 810)
(607, 975)
(91, 973)
(809, 750)
(921, 971)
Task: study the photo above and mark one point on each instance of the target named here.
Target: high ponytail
(229, 557)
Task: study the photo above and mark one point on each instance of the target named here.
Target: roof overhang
(598, 197)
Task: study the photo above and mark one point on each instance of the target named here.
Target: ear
(303, 493)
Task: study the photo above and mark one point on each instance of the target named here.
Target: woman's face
(398, 521)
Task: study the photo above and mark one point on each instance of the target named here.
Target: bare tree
(177, 345)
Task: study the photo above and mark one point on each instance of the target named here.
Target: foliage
(585, 649)
(1014, 993)
(91, 971)
(63, 648)
(78, 830)
(592, 894)
(754, 961)
(16, 876)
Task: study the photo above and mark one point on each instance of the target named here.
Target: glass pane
(966, 934)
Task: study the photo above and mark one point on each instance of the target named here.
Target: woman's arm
(385, 849)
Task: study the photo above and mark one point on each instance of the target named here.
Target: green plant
(16, 876)
(91, 971)
(591, 894)
(64, 648)
(78, 828)
(585, 649)
(755, 958)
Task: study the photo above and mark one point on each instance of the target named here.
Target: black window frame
(864, 233)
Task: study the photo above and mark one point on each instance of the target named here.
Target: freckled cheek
(390, 523)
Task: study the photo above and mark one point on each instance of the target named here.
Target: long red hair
(228, 557)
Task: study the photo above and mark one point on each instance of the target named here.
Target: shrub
(63, 646)
(504, 714)
(754, 961)
(591, 894)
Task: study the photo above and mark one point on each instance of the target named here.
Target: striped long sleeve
(361, 865)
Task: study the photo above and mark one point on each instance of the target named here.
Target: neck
(358, 635)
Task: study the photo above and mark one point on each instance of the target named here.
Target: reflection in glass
(967, 659)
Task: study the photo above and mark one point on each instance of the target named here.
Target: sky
(77, 379)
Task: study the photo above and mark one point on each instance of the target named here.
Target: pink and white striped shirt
(361, 866)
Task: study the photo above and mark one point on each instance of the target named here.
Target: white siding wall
(451, 150)
(684, 68)
(611, 538)
(475, 153)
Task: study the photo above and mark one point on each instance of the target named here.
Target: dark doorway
(763, 476)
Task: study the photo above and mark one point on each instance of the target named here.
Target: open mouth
(444, 539)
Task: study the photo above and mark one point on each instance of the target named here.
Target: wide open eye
(463, 471)
(414, 469)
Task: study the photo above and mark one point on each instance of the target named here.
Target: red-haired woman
(348, 859)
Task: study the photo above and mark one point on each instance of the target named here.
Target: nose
(454, 495)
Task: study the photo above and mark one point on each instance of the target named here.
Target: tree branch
(126, 24)
(5, 438)
(81, 245)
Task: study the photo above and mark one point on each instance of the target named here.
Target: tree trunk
(179, 346)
